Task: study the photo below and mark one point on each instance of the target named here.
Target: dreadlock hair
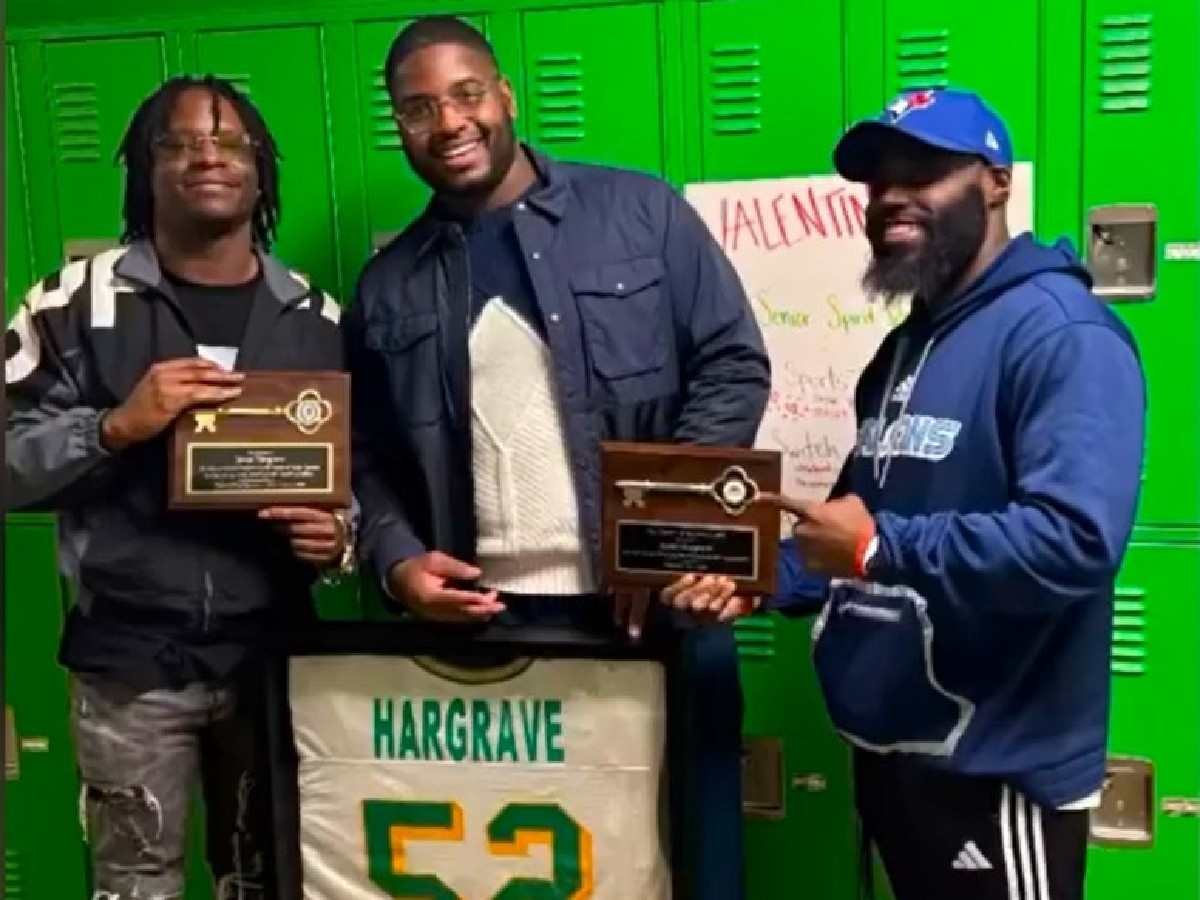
(427, 32)
(150, 122)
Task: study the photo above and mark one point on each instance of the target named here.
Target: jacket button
(521, 206)
(620, 285)
(554, 318)
(536, 254)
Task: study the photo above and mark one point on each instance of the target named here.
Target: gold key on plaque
(734, 490)
(308, 412)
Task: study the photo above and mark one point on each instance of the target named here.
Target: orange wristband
(860, 550)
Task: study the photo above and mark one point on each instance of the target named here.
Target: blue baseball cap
(953, 120)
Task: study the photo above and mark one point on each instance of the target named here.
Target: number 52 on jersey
(538, 781)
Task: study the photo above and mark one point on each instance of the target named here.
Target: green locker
(760, 116)
(1140, 94)
(291, 98)
(1140, 147)
(582, 67)
(790, 743)
(44, 855)
(91, 90)
(1156, 670)
(758, 120)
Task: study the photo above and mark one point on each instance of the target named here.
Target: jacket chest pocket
(408, 352)
(626, 327)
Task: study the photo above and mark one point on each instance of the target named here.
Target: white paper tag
(225, 357)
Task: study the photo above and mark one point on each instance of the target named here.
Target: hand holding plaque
(163, 392)
(284, 440)
(671, 510)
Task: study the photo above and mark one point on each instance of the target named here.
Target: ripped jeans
(140, 755)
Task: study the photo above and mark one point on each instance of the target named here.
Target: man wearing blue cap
(974, 535)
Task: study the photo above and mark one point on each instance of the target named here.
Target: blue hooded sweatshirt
(999, 450)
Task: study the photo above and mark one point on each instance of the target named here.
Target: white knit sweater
(529, 539)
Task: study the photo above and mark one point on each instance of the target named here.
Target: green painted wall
(1102, 95)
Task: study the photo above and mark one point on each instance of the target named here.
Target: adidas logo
(970, 859)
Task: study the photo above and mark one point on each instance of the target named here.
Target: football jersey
(540, 778)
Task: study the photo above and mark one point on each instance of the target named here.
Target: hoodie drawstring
(882, 465)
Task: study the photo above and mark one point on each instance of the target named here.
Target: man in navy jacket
(974, 535)
(535, 309)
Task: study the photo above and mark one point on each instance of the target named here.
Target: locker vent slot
(924, 60)
(1125, 63)
(14, 886)
(736, 85)
(755, 638)
(560, 106)
(1129, 632)
(385, 134)
(77, 122)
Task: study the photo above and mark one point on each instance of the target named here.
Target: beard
(953, 236)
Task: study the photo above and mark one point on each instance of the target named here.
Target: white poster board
(799, 246)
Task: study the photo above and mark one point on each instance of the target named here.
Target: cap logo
(990, 140)
(906, 103)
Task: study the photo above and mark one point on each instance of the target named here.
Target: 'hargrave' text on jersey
(501, 730)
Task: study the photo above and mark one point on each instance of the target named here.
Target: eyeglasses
(230, 145)
(418, 115)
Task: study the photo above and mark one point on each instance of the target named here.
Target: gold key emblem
(308, 412)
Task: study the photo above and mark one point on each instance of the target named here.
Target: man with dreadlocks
(173, 609)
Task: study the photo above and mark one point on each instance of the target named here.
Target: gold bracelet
(345, 564)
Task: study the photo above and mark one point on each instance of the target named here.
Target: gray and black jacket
(156, 590)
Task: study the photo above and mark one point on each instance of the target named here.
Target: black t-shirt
(498, 266)
(216, 315)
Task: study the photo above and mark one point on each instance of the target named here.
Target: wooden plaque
(285, 440)
(673, 509)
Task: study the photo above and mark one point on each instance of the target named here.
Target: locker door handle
(15, 745)
(813, 782)
(1178, 807)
